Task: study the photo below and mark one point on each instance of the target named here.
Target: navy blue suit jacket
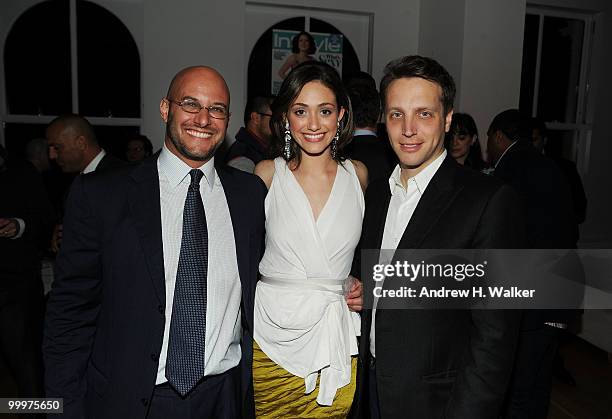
(105, 316)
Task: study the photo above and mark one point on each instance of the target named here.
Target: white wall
(191, 32)
(441, 35)
(480, 43)
(492, 58)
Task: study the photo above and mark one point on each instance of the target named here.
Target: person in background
(37, 153)
(539, 137)
(302, 47)
(26, 221)
(550, 224)
(366, 146)
(462, 143)
(138, 148)
(252, 140)
(304, 358)
(74, 147)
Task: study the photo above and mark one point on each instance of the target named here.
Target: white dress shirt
(223, 293)
(93, 165)
(402, 205)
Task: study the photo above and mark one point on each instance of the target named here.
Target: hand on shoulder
(265, 170)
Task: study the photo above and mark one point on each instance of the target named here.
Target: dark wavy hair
(295, 47)
(290, 90)
(464, 124)
(425, 68)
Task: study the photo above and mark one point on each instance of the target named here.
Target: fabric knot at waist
(335, 286)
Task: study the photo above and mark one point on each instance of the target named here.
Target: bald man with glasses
(151, 313)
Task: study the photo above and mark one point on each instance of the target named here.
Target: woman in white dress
(306, 326)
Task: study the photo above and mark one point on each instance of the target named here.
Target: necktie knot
(196, 176)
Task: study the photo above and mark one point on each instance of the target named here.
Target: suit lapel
(146, 213)
(437, 197)
(379, 217)
(236, 201)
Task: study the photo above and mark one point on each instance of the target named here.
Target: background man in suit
(252, 140)
(26, 221)
(74, 147)
(550, 224)
(366, 147)
(433, 363)
(151, 313)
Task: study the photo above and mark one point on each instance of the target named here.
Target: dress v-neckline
(329, 197)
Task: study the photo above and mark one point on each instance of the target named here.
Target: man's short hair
(366, 105)
(258, 104)
(78, 124)
(422, 67)
(361, 77)
(513, 124)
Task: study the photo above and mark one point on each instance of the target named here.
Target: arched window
(63, 56)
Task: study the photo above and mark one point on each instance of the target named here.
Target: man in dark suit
(550, 224)
(74, 147)
(26, 220)
(253, 140)
(366, 147)
(152, 310)
(433, 363)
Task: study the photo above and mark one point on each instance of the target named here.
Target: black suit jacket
(443, 363)
(110, 162)
(105, 317)
(373, 152)
(550, 219)
(24, 196)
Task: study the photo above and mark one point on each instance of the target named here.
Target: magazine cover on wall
(290, 48)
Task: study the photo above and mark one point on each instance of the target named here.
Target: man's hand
(9, 227)
(354, 298)
(56, 239)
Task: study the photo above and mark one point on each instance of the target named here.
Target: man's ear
(164, 108)
(447, 120)
(80, 142)
(255, 117)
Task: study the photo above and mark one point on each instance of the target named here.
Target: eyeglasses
(194, 107)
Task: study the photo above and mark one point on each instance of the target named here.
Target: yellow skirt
(280, 394)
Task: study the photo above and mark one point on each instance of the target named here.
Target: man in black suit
(74, 147)
(253, 140)
(366, 147)
(26, 220)
(151, 313)
(433, 363)
(550, 224)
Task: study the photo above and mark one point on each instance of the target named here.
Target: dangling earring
(287, 141)
(334, 144)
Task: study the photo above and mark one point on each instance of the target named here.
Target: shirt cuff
(21, 228)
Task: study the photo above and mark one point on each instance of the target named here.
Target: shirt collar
(95, 162)
(503, 154)
(421, 180)
(175, 169)
(360, 131)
